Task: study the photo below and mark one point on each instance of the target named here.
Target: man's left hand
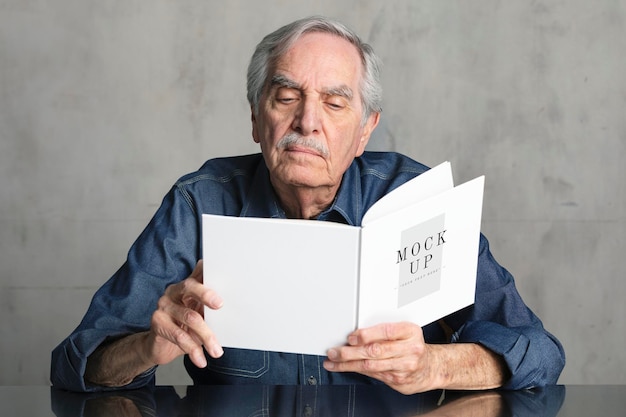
(394, 353)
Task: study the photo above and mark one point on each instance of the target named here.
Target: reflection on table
(305, 401)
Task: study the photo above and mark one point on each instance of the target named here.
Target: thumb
(197, 271)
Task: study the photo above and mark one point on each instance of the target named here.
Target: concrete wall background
(104, 104)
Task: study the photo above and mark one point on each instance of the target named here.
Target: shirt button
(307, 412)
(312, 380)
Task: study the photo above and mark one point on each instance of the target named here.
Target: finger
(395, 372)
(367, 367)
(165, 329)
(383, 332)
(192, 323)
(194, 294)
(376, 350)
(384, 371)
(193, 288)
(197, 273)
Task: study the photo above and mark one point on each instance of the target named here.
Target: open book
(303, 285)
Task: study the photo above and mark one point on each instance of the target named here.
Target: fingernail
(353, 340)
(202, 363)
(216, 301)
(332, 354)
(217, 351)
(328, 365)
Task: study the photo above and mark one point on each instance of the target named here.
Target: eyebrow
(283, 81)
(341, 91)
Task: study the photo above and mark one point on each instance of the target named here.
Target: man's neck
(305, 202)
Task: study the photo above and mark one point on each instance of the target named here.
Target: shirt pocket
(241, 363)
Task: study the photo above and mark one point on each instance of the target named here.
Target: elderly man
(315, 98)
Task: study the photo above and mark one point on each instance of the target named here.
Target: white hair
(274, 45)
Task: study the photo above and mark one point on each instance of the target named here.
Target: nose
(307, 118)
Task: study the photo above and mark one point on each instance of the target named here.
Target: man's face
(309, 118)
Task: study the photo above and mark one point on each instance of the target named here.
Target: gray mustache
(299, 140)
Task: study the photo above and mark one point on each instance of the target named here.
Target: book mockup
(303, 286)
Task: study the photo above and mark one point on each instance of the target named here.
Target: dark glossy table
(308, 401)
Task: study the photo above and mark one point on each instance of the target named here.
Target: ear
(255, 129)
(370, 125)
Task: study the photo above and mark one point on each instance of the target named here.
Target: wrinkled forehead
(322, 53)
(317, 33)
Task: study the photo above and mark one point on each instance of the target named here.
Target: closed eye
(336, 102)
(286, 100)
(335, 106)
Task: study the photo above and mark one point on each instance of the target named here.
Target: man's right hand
(177, 327)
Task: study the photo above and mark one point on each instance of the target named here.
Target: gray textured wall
(103, 104)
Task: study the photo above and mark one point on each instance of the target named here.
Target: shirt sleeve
(501, 321)
(164, 253)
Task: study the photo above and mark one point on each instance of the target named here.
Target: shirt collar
(347, 207)
(261, 200)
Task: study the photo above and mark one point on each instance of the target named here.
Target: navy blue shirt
(170, 246)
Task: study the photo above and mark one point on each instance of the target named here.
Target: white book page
(426, 185)
(287, 286)
(399, 282)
